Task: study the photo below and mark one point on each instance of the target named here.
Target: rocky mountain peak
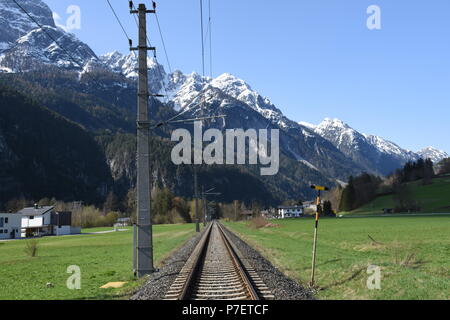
(432, 153)
(36, 49)
(14, 23)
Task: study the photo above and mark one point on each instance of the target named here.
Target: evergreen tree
(444, 166)
(327, 209)
(348, 196)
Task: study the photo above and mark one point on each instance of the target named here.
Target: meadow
(413, 254)
(432, 198)
(102, 258)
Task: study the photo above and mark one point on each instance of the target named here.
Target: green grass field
(433, 198)
(102, 258)
(412, 252)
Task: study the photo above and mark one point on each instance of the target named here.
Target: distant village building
(45, 221)
(123, 222)
(246, 215)
(309, 207)
(290, 212)
(269, 213)
(10, 226)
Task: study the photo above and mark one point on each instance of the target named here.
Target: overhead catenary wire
(121, 26)
(210, 40)
(49, 35)
(82, 64)
(203, 43)
(118, 20)
(182, 112)
(163, 43)
(203, 57)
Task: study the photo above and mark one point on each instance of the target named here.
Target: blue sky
(312, 58)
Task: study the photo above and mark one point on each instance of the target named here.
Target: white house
(123, 222)
(290, 212)
(10, 226)
(310, 206)
(45, 221)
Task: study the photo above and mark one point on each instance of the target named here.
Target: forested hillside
(44, 155)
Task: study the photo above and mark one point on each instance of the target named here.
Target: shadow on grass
(354, 275)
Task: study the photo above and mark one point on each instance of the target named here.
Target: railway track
(214, 271)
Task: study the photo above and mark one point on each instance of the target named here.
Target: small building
(40, 221)
(246, 215)
(290, 212)
(123, 222)
(309, 207)
(10, 226)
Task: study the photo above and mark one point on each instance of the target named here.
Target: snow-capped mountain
(36, 50)
(373, 153)
(15, 24)
(26, 47)
(183, 88)
(330, 150)
(127, 65)
(434, 154)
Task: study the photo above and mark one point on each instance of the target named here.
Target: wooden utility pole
(144, 249)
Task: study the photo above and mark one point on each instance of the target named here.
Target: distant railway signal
(318, 202)
(319, 188)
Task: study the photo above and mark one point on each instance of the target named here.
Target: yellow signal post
(318, 202)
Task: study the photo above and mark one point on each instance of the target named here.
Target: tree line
(366, 187)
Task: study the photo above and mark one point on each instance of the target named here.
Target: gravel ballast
(159, 282)
(282, 287)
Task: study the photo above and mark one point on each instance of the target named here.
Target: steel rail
(200, 280)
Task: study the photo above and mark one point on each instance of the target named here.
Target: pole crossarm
(187, 121)
(143, 48)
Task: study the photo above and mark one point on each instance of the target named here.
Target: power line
(210, 40)
(118, 20)
(202, 33)
(150, 45)
(148, 42)
(49, 35)
(203, 69)
(163, 43)
(80, 65)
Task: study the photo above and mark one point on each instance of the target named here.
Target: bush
(258, 223)
(91, 217)
(31, 247)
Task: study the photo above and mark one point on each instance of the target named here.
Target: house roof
(32, 211)
(290, 207)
